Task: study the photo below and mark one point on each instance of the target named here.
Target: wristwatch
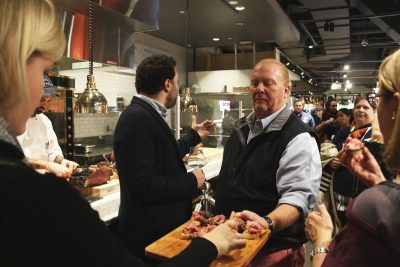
(269, 222)
(316, 251)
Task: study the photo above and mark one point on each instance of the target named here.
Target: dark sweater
(45, 222)
(371, 237)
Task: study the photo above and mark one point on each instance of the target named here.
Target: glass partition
(222, 108)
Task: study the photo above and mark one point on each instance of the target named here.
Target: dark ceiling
(290, 25)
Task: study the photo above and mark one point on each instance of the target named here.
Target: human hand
(251, 216)
(335, 163)
(69, 164)
(204, 128)
(330, 121)
(201, 178)
(364, 166)
(225, 239)
(319, 227)
(58, 169)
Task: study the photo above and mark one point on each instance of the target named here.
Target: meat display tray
(171, 245)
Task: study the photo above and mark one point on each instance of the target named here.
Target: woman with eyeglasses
(371, 236)
(345, 185)
(43, 220)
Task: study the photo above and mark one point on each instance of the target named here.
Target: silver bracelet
(319, 250)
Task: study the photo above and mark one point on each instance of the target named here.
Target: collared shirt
(39, 141)
(255, 124)
(299, 172)
(306, 118)
(160, 108)
(6, 134)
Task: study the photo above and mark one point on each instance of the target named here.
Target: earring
(393, 117)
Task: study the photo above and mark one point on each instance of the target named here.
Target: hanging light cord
(91, 48)
(187, 41)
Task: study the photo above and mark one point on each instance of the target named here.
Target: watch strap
(269, 222)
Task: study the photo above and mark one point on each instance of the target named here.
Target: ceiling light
(364, 42)
(239, 23)
(302, 73)
(347, 81)
(310, 46)
(233, 2)
(229, 38)
(287, 64)
(181, 11)
(346, 67)
(348, 85)
(344, 75)
(240, 8)
(216, 39)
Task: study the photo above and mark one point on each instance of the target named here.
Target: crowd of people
(275, 168)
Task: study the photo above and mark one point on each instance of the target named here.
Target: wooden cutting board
(171, 245)
(110, 187)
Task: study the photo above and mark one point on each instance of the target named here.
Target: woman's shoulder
(377, 208)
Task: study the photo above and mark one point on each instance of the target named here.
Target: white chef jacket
(39, 141)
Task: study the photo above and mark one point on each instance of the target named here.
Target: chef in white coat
(39, 141)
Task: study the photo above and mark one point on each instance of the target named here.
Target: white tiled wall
(214, 81)
(95, 124)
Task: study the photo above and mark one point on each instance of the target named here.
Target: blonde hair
(389, 79)
(27, 28)
(282, 69)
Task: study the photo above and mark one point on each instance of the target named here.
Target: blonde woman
(371, 236)
(44, 221)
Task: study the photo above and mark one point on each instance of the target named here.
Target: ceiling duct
(116, 22)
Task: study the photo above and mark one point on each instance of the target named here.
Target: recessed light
(233, 2)
(344, 75)
(239, 23)
(346, 67)
(181, 11)
(310, 46)
(216, 39)
(302, 73)
(240, 8)
(287, 64)
(229, 38)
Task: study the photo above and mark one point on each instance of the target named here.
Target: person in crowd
(343, 120)
(327, 128)
(227, 127)
(371, 236)
(271, 166)
(302, 115)
(155, 185)
(345, 184)
(44, 221)
(39, 141)
(317, 115)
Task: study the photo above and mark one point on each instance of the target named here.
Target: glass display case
(222, 108)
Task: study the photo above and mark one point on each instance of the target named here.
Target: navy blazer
(156, 190)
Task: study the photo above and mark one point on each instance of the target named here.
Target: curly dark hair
(152, 73)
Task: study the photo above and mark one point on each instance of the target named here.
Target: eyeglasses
(373, 98)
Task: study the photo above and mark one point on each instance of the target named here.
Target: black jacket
(45, 222)
(156, 190)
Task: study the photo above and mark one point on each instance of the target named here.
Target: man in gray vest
(271, 167)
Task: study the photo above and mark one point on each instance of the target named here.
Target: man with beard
(39, 141)
(302, 115)
(156, 189)
(271, 168)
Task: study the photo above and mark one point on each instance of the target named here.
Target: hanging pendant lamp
(91, 100)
